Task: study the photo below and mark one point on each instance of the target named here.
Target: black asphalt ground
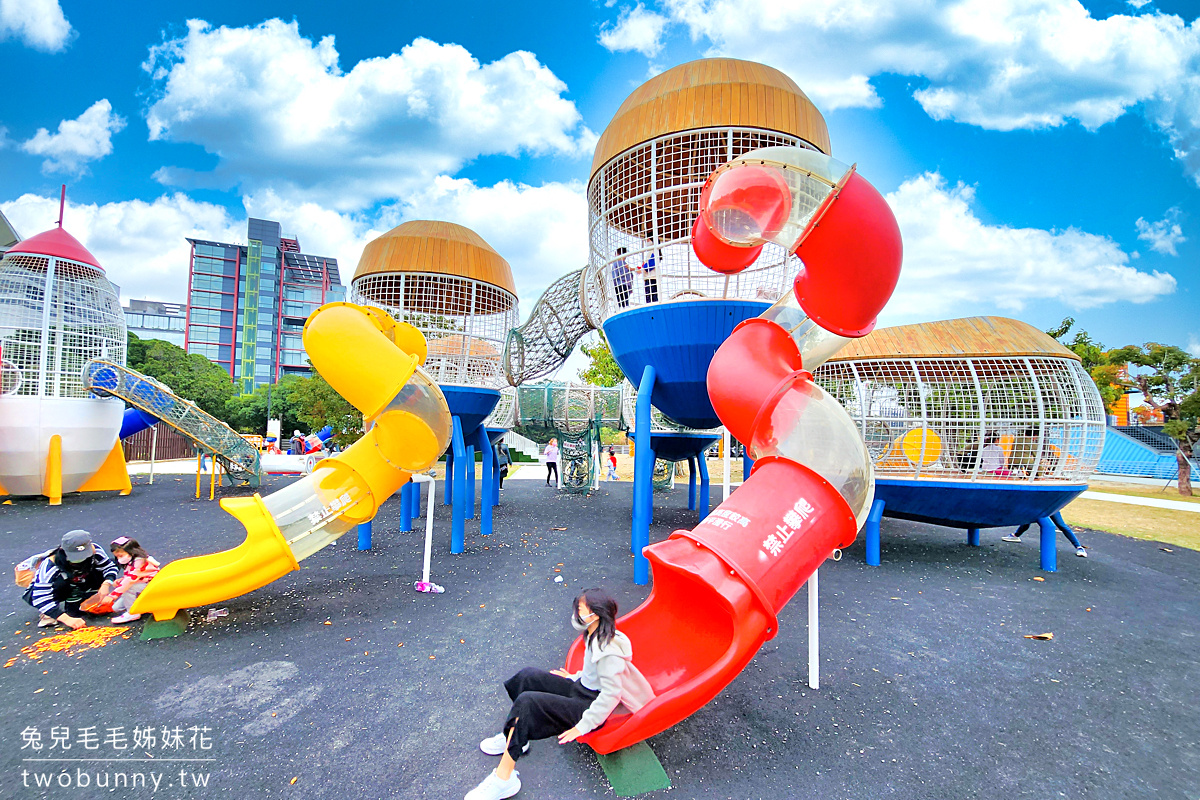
(929, 689)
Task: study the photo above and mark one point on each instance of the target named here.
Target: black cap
(77, 545)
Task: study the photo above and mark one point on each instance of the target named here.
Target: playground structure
(57, 312)
(663, 311)
(373, 362)
(451, 285)
(812, 485)
(929, 398)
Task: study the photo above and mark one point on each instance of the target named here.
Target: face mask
(122, 559)
(581, 626)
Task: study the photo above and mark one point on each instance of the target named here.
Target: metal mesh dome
(56, 314)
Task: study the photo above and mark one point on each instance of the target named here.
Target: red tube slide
(718, 588)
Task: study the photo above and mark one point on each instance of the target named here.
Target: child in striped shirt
(139, 566)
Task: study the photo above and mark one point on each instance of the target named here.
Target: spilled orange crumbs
(71, 643)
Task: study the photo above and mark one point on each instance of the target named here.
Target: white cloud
(280, 114)
(140, 245)
(78, 141)
(1138, 4)
(40, 24)
(1163, 235)
(1193, 346)
(956, 265)
(997, 64)
(636, 29)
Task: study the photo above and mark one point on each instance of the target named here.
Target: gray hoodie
(609, 669)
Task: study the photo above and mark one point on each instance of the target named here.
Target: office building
(150, 319)
(247, 303)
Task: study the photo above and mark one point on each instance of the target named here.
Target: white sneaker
(492, 788)
(47, 622)
(126, 617)
(1079, 551)
(1013, 539)
(495, 745)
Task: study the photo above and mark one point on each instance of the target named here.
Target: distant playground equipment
(812, 484)
(451, 285)
(57, 312)
(373, 362)
(971, 423)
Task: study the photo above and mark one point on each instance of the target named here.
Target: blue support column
(973, 537)
(448, 488)
(1049, 552)
(414, 502)
(691, 484)
(485, 485)
(405, 513)
(471, 481)
(364, 535)
(747, 465)
(871, 530)
(643, 479)
(458, 514)
(704, 485)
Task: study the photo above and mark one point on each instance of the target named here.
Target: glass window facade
(244, 297)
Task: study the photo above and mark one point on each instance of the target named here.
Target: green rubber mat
(153, 629)
(634, 770)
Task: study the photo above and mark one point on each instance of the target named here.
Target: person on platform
(564, 704)
(648, 271)
(622, 278)
(75, 572)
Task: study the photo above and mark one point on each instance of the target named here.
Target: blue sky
(1042, 156)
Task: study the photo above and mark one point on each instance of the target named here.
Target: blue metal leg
(448, 488)
(747, 465)
(485, 484)
(470, 481)
(364, 535)
(458, 514)
(643, 479)
(1049, 552)
(414, 503)
(405, 510)
(871, 530)
(691, 484)
(704, 485)
(973, 537)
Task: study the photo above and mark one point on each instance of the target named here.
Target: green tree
(604, 369)
(1104, 370)
(249, 413)
(1170, 384)
(191, 376)
(316, 404)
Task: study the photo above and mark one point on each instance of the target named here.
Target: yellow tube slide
(372, 361)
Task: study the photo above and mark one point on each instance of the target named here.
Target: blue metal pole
(448, 487)
(414, 502)
(973, 537)
(691, 484)
(747, 465)
(1049, 552)
(470, 481)
(364, 535)
(871, 529)
(485, 485)
(405, 513)
(704, 485)
(459, 513)
(643, 479)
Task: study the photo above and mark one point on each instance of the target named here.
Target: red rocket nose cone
(58, 243)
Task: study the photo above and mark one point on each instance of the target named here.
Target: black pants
(1057, 519)
(544, 705)
(68, 605)
(551, 469)
(623, 291)
(651, 287)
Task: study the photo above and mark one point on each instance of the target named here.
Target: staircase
(521, 448)
(1151, 437)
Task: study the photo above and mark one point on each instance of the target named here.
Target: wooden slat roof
(712, 92)
(954, 338)
(439, 247)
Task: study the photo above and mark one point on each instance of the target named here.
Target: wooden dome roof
(710, 93)
(970, 337)
(442, 248)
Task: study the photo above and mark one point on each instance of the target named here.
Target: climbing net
(554, 327)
